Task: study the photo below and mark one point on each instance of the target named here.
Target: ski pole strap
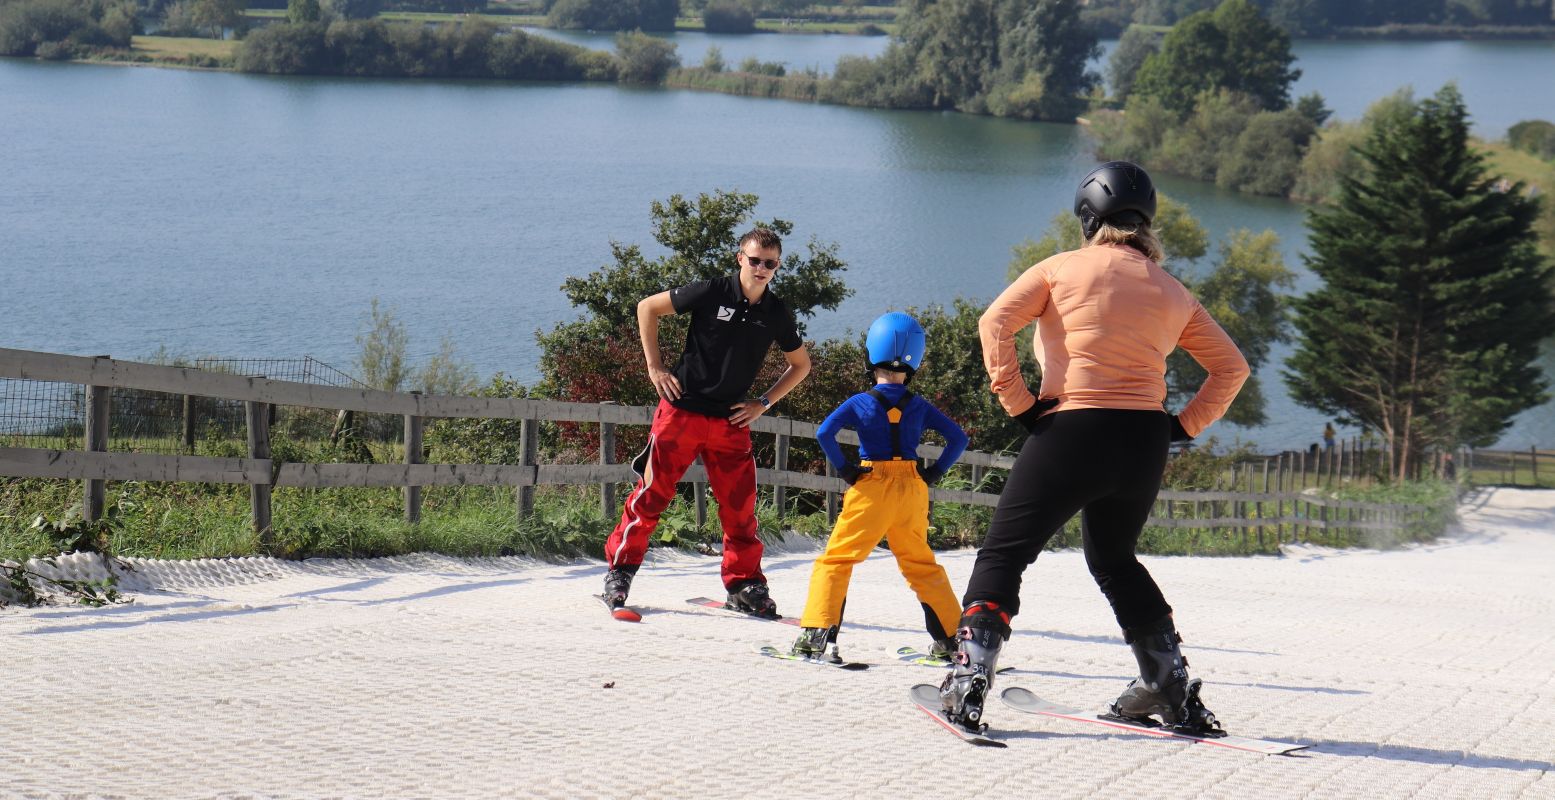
(893, 414)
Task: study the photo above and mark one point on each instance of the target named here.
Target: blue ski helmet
(896, 342)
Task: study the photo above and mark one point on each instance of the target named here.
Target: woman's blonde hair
(1139, 236)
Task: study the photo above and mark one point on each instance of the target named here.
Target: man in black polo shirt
(705, 409)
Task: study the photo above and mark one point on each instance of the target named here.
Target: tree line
(1327, 17)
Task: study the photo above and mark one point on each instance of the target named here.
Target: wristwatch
(765, 403)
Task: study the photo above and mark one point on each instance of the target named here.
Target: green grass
(1534, 171)
(164, 47)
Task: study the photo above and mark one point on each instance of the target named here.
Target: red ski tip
(626, 615)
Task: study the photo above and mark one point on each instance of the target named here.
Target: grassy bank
(1534, 171)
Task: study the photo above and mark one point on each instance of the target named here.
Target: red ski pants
(676, 439)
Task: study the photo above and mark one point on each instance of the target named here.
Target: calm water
(232, 215)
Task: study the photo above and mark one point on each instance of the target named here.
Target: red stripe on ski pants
(676, 439)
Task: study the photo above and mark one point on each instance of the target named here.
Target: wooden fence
(1283, 515)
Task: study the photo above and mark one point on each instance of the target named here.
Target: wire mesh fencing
(41, 414)
(51, 415)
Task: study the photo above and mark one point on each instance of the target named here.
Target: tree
(382, 358)
(644, 58)
(958, 51)
(1258, 55)
(724, 16)
(1534, 136)
(614, 15)
(351, 9)
(597, 357)
(302, 11)
(701, 236)
(1136, 45)
(1234, 47)
(1434, 297)
(216, 16)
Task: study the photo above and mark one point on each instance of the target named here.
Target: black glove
(852, 472)
(1028, 418)
(1179, 435)
(931, 474)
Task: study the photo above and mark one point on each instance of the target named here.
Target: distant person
(1107, 317)
(889, 495)
(1328, 436)
(705, 409)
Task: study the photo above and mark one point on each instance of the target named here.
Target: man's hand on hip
(665, 383)
(746, 412)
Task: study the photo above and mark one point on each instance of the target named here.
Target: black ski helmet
(1120, 191)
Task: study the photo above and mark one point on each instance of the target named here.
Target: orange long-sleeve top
(1107, 318)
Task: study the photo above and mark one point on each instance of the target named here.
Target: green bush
(1534, 136)
(1267, 155)
(614, 15)
(728, 17)
(644, 58)
(471, 49)
(57, 29)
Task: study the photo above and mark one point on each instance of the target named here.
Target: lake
(255, 216)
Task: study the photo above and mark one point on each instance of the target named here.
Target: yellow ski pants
(892, 502)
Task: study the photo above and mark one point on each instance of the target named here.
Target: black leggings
(1104, 463)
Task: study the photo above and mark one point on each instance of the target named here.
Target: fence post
(413, 429)
(831, 496)
(699, 493)
(98, 399)
(607, 455)
(780, 464)
(1533, 457)
(189, 424)
(528, 448)
(258, 418)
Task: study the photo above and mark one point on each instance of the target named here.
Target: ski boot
(617, 583)
(817, 644)
(1163, 689)
(984, 628)
(944, 649)
(753, 599)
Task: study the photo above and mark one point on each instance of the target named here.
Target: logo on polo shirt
(725, 314)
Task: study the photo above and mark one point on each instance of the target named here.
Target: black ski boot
(984, 628)
(819, 644)
(1163, 689)
(617, 583)
(753, 599)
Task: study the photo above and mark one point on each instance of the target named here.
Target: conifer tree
(1435, 298)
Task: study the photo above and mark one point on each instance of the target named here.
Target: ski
(622, 613)
(926, 698)
(708, 602)
(916, 657)
(772, 652)
(1022, 700)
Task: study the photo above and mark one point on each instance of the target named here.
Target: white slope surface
(1424, 672)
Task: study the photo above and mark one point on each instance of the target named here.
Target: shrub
(1195, 147)
(55, 29)
(728, 17)
(1534, 136)
(284, 50)
(645, 59)
(1267, 155)
(755, 66)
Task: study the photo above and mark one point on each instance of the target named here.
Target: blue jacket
(865, 414)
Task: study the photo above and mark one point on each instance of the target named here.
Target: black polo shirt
(727, 342)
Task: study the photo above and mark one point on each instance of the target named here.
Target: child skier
(889, 495)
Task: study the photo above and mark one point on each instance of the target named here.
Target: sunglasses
(764, 263)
